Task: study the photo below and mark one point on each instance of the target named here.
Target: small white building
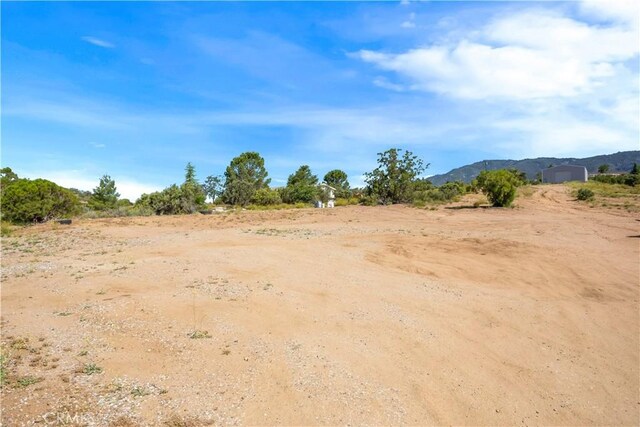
(331, 195)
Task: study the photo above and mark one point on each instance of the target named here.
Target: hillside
(621, 161)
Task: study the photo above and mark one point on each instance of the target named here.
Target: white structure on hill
(564, 173)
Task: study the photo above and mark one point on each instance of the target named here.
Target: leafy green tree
(104, 195)
(244, 176)
(38, 200)
(302, 186)
(603, 168)
(192, 195)
(519, 175)
(392, 181)
(635, 170)
(338, 180)
(212, 186)
(500, 186)
(7, 176)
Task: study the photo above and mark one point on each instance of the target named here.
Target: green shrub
(173, 200)
(445, 193)
(26, 201)
(629, 179)
(585, 194)
(266, 197)
(499, 186)
(345, 202)
(370, 200)
(120, 211)
(5, 229)
(451, 190)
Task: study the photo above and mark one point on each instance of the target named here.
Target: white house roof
(324, 184)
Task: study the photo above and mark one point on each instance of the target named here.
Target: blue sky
(137, 90)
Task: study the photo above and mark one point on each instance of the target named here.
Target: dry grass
(612, 196)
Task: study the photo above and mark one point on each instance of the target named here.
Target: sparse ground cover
(354, 315)
(615, 196)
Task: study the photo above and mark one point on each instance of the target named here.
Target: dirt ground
(347, 316)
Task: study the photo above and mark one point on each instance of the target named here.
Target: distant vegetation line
(398, 178)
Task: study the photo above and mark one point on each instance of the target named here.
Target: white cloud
(97, 145)
(127, 187)
(540, 82)
(98, 42)
(410, 23)
(562, 136)
(527, 55)
(386, 84)
(627, 11)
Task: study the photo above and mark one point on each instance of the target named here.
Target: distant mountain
(618, 162)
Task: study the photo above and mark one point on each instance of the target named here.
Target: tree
(212, 186)
(244, 176)
(7, 176)
(104, 195)
(338, 180)
(635, 170)
(392, 181)
(192, 195)
(603, 168)
(26, 201)
(190, 174)
(519, 175)
(302, 186)
(500, 186)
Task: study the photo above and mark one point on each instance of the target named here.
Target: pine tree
(104, 195)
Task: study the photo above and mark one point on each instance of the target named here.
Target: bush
(499, 186)
(120, 211)
(629, 179)
(5, 229)
(266, 197)
(585, 194)
(445, 193)
(451, 190)
(345, 202)
(26, 201)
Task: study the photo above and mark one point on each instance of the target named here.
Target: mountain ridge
(621, 161)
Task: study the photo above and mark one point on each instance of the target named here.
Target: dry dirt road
(356, 315)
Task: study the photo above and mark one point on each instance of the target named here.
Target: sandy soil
(356, 315)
